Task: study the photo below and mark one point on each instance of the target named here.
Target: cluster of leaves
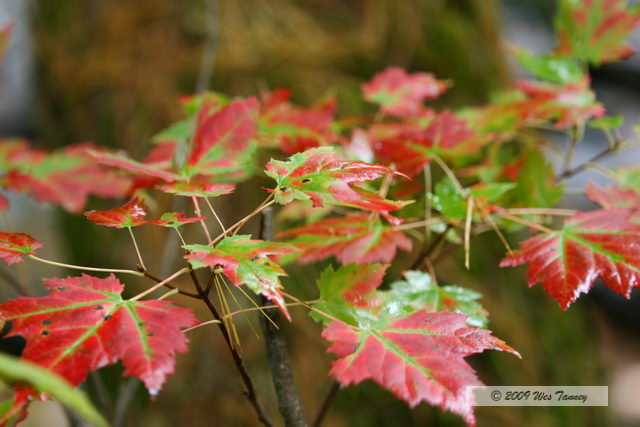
(353, 194)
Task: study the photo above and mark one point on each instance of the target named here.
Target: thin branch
(570, 172)
(430, 249)
(237, 359)
(167, 285)
(289, 401)
(160, 284)
(467, 232)
(326, 404)
(80, 267)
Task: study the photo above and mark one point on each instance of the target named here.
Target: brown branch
(250, 393)
(581, 167)
(429, 249)
(326, 403)
(167, 285)
(289, 401)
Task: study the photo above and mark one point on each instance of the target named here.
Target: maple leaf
(292, 128)
(393, 338)
(153, 167)
(198, 188)
(599, 244)
(245, 262)
(353, 238)
(318, 175)
(401, 94)
(176, 219)
(222, 135)
(131, 214)
(595, 30)
(410, 146)
(613, 196)
(65, 177)
(13, 246)
(83, 324)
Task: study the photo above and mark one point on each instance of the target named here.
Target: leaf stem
(540, 211)
(79, 267)
(238, 225)
(447, 170)
(525, 222)
(467, 232)
(418, 224)
(213, 211)
(167, 285)
(196, 207)
(135, 244)
(160, 284)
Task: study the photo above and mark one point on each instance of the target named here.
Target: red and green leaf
(13, 246)
(401, 94)
(66, 177)
(245, 262)
(176, 219)
(599, 244)
(131, 214)
(613, 196)
(223, 138)
(318, 175)
(416, 353)
(293, 128)
(353, 238)
(200, 187)
(595, 30)
(83, 324)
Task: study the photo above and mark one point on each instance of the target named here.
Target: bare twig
(326, 403)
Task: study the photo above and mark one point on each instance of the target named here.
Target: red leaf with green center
(198, 188)
(393, 337)
(245, 262)
(595, 30)
(318, 175)
(293, 128)
(152, 167)
(401, 94)
(613, 196)
(83, 324)
(222, 135)
(13, 246)
(568, 105)
(599, 244)
(176, 219)
(411, 146)
(420, 358)
(131, 214)
(353, 238)
(65, 177)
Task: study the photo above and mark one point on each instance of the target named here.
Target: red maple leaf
(131, 214)
(353, 238)
(613, 196)
(245, 262)
(401, 94)
(65, 177)
(13, 246)
(595, 30)
(419, 357)
(176, 219)
(599, 244)
(318, 175)
(292, 128)
(83, 324)
(224, 133)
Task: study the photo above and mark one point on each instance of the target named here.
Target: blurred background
(111, 71)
